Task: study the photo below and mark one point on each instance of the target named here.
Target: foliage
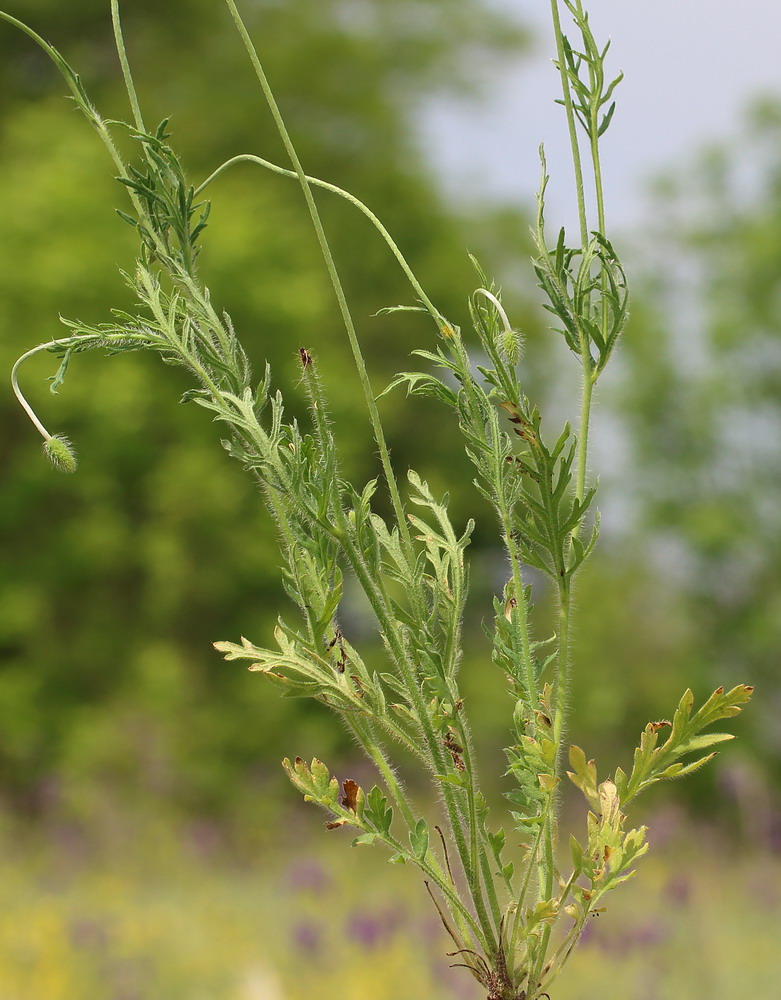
(411, 567)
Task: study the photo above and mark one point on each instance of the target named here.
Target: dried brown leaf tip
(351, 797)
(350, 791)
(656, 726)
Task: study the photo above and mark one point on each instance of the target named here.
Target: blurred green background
(149, 836)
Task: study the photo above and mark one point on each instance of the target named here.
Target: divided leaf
(653, 762)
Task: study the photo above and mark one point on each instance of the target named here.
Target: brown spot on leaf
(544, 719)
(656, 726)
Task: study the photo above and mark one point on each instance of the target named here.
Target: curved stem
(326, 186)
(497, 305)
(20, 395)
(445, 887)
(63, 342)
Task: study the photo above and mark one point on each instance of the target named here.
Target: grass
(165, 914)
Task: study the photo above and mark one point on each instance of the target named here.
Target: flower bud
(511, 346)
(60, 453)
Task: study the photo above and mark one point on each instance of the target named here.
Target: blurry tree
(114, 582)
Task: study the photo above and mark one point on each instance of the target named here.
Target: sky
(691, 67)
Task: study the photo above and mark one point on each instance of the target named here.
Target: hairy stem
(368, 740)
(434, 744)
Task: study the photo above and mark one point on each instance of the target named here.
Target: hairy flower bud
(511, 346)
(60, 453)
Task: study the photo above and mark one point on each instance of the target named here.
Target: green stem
(64, 342)
(129, 85)
(525, 885)
(595, 158)
(587, 390)
(355, 559)
(18, 392)
(477, 856)
(561, 682)
(546, 889)
(445, 887)
(564, 950)
(325, 249)
(560, 695)
(368, 741)
(79, 95)
(519, 613)
(396, 648)
(571, 123)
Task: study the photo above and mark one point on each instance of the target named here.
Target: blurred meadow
(150, 845)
